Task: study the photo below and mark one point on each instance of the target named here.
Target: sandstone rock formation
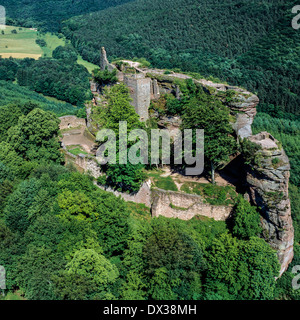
(104, 64)
(243, 107)
(268, 180)
(241, 102)
(149, 84)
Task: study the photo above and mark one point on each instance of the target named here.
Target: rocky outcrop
(92, 125)
(170, 122)
(268, 179)
(104, 64)
(149, 84)
(241, 102)
(243, 108)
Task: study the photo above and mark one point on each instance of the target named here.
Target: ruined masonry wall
(86, 163)
(140, 92)
(67, 122)
(184, 206)
(143, 196)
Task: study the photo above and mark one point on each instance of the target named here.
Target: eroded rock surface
(241, 102)
(268, 180)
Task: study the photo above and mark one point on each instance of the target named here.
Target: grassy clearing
(213, 194)
(23, 44)
(90, 66)
(17, 295)
(53, 41)
(53, 99)
(20, 44)
(76, 150)
(165, 183)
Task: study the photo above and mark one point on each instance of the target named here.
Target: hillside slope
(248, 43)
(50, 13)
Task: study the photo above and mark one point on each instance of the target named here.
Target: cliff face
(268, 181)
(242, 103)
(149, 84)
(243, 107)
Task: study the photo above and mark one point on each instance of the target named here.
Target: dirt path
(180, 179)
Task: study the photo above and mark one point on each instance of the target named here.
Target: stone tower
(140, 91)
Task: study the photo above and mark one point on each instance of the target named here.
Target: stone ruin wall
(140, 92)
(143, 196)
(85, 163)
(104, 64)
(184, 206)
(68, 122)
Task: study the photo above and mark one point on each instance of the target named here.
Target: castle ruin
(140, 91)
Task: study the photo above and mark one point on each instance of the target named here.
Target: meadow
(22, 44)
(19, 43)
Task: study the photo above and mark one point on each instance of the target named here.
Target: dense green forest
(13, 93)
(63, 238)
(48, 14)
(248, 43)
(60, 77)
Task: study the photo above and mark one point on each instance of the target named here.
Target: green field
(19, 45)
(76, 150)
(90, 66)
(22, 45)
(52, 41)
